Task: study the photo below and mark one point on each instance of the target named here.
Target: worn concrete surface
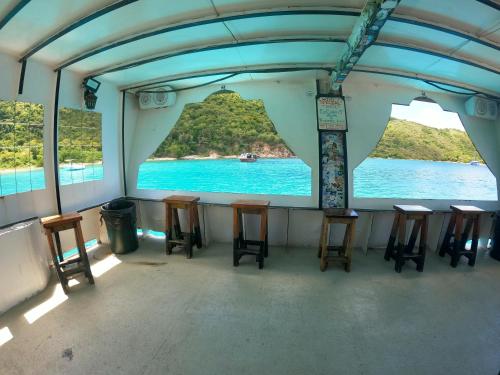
(153, 314)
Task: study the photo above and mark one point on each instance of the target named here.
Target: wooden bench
(240, 244)
(403, 252)
(344, 252)
(65, 268)
(455, 239)
(193, 234)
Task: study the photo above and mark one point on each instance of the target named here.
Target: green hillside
(408, 140)
(224, 124)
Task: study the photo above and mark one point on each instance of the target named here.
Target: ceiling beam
(364, 33)
(74, 25)
(491, 3)
(400, 18)
(426, 78)
(253, 69)
(11, 14)
(215, 47)
(190, 23)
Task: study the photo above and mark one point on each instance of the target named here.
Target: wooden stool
(456, 248)
(404, 252)
(240, 244)
(66, 268)
(344, 253)
(186, 239)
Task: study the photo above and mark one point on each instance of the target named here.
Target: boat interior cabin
(135, 237)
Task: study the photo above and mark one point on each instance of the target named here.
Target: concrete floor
(153, 314)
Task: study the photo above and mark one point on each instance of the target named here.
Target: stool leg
(197, 230)
(236, 239)
(445, 245)
(455, 253)
(423, 243)
(413, 237)
(177, 224)
(55, 260)
(83, 252)
(60, 254)
(241, 236)
(321, 237)
(401, 244)
(189, 237)
(475, 241)
(168, 229)
(262, 238)
(323, 264)
(389, 251)
(350, 230)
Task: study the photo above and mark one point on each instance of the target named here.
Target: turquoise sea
(374, 178)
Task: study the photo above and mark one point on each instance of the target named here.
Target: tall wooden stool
(403, 252)
(73, 265)
(240, 244)
(193, 235)
(344, 253)
(455, 239)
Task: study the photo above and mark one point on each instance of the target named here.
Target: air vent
(481, 107)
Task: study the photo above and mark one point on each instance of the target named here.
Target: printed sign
(331, 113)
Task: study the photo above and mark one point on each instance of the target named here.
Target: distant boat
(75, 166)
(475, 163)
(248, 157)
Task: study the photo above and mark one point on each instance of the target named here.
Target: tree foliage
(408, 140)
(224, 124)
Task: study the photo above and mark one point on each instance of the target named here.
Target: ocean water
(423, 179)
(373, 178)
(266, 176)
(28, 180)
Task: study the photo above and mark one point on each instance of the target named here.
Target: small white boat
(475, 163)
(248, 157)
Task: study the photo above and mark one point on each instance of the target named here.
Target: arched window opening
(424, 153)
(211, 148)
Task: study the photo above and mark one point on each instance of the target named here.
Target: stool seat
(172, 223)
(456, 236)
(240, 243)
(412, 209)
(75, 264)
(467, 209)
(181, 199)
(404, 251)
(343, 253)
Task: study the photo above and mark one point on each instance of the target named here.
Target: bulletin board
(331, 113)
(333, 169)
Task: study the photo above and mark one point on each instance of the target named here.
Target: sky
(429, 114)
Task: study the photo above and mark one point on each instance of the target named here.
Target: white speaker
(160, 98)
(481, 107)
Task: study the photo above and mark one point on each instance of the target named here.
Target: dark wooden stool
(240, 244)
(403, 252)
(186, 239)
(74, 264)
(344, 253)
(455, 239)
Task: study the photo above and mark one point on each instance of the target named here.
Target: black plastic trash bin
(120, 218)
(495, 251)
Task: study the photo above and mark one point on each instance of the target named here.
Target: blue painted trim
(20, 5)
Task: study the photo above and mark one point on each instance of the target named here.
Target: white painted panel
(23, 264)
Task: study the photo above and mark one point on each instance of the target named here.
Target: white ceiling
(267, 22)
